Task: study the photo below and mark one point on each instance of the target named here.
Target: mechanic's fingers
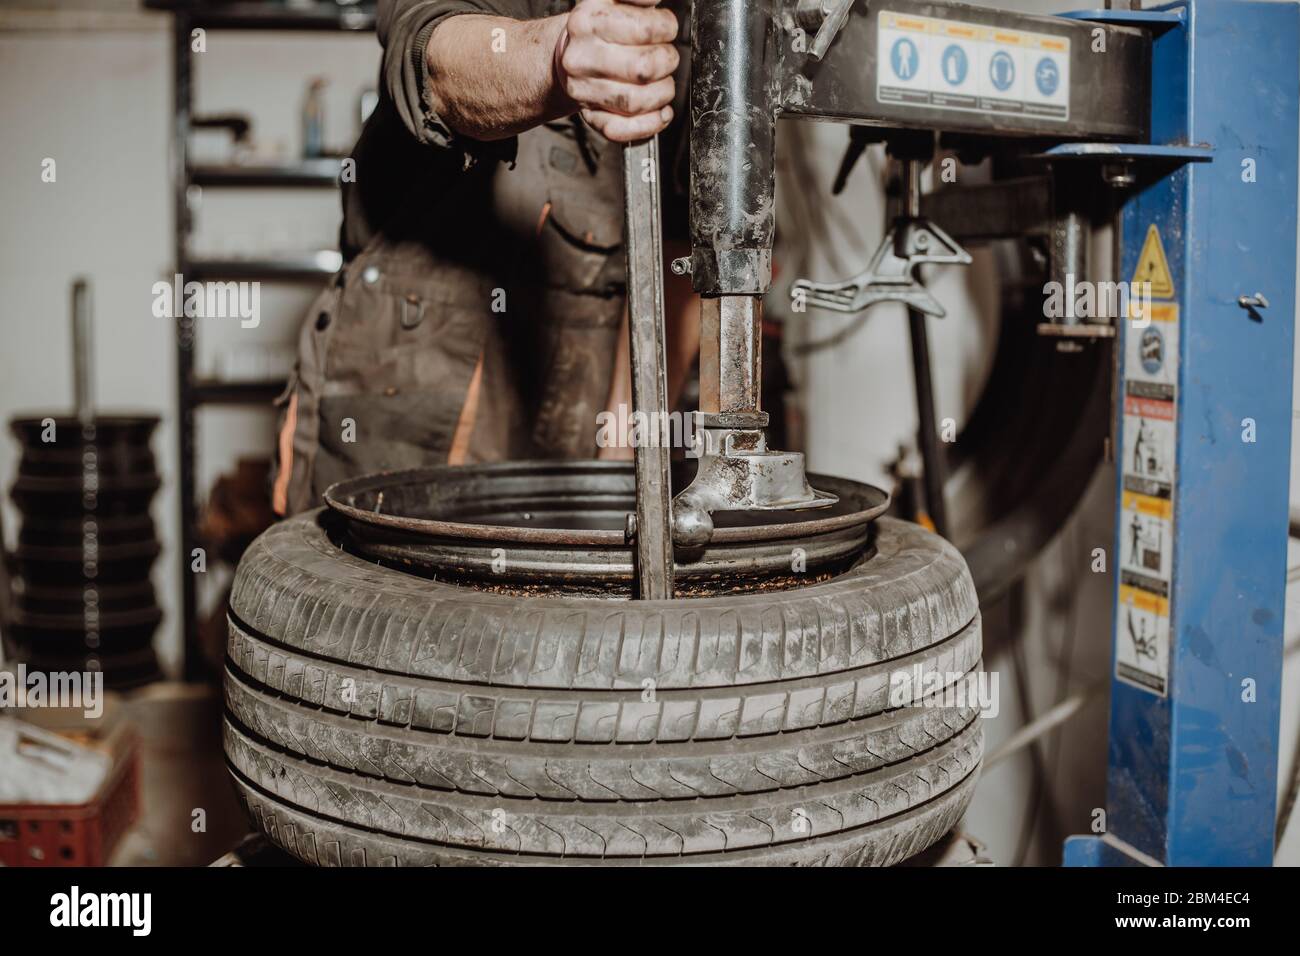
(621, 23)
(611, 61)
(628, 129)
(627, 99)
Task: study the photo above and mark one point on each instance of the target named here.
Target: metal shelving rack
(194, 392)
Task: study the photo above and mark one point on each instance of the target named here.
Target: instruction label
(1142, 645)
(951, 65)
(1150, 438)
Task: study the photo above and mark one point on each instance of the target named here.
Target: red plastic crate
(82, 834)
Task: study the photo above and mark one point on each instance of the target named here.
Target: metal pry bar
(645, 309)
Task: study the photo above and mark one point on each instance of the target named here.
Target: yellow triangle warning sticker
(1153, 267)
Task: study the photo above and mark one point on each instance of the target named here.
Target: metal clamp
(826, 17)
(738, 473)
(889, 277)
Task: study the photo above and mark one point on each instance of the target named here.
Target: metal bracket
(826, 17)
(890, 275)
(738, 473)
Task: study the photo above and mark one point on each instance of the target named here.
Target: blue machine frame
(1204, 464)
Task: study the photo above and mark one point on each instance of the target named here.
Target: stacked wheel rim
(86, 545)
(374, 717)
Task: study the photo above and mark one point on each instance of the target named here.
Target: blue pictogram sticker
(904, 59)
(1002, 70)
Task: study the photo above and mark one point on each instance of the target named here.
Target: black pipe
(932, 455)
(934, 464)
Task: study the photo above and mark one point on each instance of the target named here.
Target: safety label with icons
(1153, 267)
(1148, 445)
(1151, 350)
(1142, 644)
(1146, 522)
(1146, 536)
(951, 65)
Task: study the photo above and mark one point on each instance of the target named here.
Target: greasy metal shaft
(735, 51)
(645, 305)
(731, 353)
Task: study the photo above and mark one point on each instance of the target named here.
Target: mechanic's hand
(616, 62)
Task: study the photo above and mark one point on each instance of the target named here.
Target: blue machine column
(1204, 459)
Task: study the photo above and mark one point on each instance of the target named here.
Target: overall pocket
(398, 365)
(561, 209)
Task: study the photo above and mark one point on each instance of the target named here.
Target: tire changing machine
(1197, 662)
(1189, 112)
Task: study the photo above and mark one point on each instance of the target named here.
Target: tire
(373, 717)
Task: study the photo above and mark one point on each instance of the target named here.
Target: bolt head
(1118, 175)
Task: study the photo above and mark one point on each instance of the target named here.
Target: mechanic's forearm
(489, 85)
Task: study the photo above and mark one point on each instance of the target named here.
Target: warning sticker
(1146, 537)
(1149, 449)
(1142, 640)
(951, 65)
(1153, 266)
